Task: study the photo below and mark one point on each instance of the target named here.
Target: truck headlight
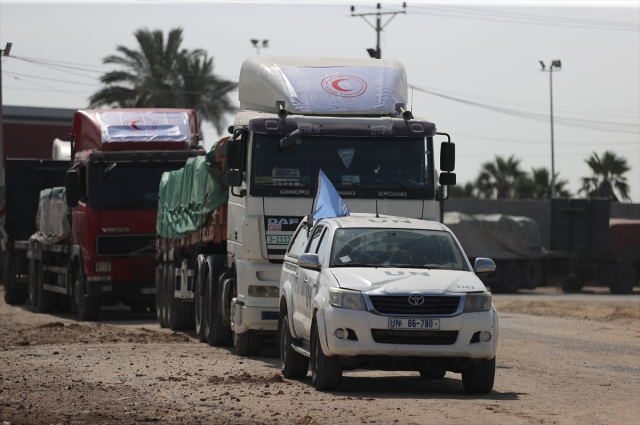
(103, 267)
(477, 302)
(263, 291)
(344, 298)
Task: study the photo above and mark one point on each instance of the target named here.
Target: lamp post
(5, 52)
(556, 65)
(377, 54)
(256, 44)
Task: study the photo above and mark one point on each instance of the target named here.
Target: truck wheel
(531, 274)
(88, 307)
(13, 294)
(46, 300)
(479, 380)
(159, 309)
(293, 364)
(165, 294)
(200, 297)
(624, 279)
(248, 343)
(33, 281)
(216, 332)
(433, 373)
(326, 372)
(510, 278)
(180, 315)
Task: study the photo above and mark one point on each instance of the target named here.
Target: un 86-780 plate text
(414, 323)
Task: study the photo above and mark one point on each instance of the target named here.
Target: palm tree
(607, 177)
(497, 179)
(466, 191)
(537, 185)
(161, 75)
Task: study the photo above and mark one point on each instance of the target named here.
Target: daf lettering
(115, 229)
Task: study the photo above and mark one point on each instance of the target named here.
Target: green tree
(162, 75)
(497, 179)
(466, 191)
(607, 177)
(537, 185)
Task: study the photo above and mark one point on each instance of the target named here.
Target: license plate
(278, 240)
(415, 324)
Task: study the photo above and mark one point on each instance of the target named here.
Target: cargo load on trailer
(52, 219)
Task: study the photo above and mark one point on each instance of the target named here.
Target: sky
(481, 59)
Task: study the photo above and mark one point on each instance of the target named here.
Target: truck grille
(384, 336)
(399, 304)
(126, 245)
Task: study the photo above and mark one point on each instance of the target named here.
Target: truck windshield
(411, 248)
(362, 166)
(127, 186)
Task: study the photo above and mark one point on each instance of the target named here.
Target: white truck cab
(384, 293)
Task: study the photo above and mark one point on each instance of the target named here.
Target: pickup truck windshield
(360, 165)
(428, 249)
(127, 186)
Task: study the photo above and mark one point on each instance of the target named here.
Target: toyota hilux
(384, 293)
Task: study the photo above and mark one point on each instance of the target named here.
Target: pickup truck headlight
(344, 298)
(477, 302)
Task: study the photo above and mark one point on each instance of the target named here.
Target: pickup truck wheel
(433, 373)
(88, 307)
(624, 279)
(33, 282)
(510, 278)
(216, 332)
(159, 309)
(479, 380)
(248, 343)
(46, 302)
(293, 364)
(326, 372)
(13, 294)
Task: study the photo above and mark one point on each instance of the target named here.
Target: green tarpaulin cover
(187, 196)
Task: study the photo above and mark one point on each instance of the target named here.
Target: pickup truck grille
(384, 336)
(399, 304)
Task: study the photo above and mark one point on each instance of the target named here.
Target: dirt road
(561, 359)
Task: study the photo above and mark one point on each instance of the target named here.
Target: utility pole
(5, 52)
(256, 44)
(377, 54)
(556, 65)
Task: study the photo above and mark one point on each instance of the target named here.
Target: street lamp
(555, 66)
(256, 44)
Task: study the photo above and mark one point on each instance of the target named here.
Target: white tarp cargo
(51, 221)
(144, 126)
(323, 85)
(497, 236)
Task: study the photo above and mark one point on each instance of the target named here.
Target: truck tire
(624, 279)
(165, 294)
(200, 300)
(479, 380)
(531, 271)
(180, 315)
(46, 300)
(159, 309)
(248, 343)
(13, 294)
(88, 307)
(33, 281)
(433, 373)
(326, 372)
(216, 331)
(293, 364)
(510, 278)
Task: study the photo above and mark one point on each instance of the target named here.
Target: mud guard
(323, 332)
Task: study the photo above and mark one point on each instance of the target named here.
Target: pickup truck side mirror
(484, 266)
(72, 188)
(309, 261)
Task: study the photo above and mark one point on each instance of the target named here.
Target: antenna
(377, 216)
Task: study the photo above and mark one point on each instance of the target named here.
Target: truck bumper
(255, 318)
(122, 288)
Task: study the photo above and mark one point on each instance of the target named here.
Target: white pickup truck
(384, 293)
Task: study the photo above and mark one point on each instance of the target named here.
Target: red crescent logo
(137, 124)
(133, 124)
(336, 86)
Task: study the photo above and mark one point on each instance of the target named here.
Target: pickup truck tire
(510, 278)
(46, 302)
(216, 332)
(326, 372)
(479, 380)
(88, 307)
(433, 373)
(33, 282)
(159, 309)
(13, 294)
(180, 314)
(531, 274)
(248, 343)
(624, 279)
(293, 364)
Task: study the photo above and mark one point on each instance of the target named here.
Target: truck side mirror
(309, 261)
(447, 179)
(447, 156)
(234, 178)
(484, 266)
(72, 188)
(234, 153)
(287, 142)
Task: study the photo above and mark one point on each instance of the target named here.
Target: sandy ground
(565, 359)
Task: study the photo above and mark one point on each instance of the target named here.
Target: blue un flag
(328, 203)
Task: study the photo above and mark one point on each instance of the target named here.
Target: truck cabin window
(126, 186)
(410, 248)
(362, 165)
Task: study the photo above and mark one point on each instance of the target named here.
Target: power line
(50, 79)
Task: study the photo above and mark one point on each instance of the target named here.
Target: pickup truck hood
(391, 280)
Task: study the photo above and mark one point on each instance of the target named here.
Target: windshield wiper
(411, 266)
(355, 265)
